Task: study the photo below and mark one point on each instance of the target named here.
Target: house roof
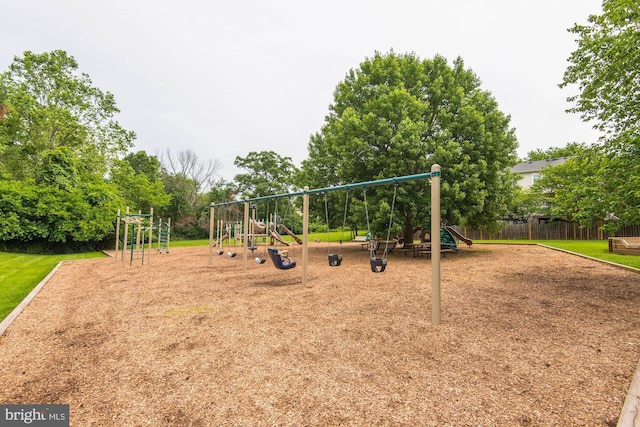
(538, 165)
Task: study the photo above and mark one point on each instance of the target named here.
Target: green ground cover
(20, 273)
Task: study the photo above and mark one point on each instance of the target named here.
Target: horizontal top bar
(395, 181)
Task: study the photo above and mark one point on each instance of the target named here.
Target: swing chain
(393, 204)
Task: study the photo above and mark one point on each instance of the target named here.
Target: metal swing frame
(434, 177)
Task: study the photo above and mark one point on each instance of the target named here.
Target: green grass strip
(20, 273)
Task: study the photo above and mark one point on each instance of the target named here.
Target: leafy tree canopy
(397, 114)
(50, 104)
(137, 178)
(267, 173)
(572, 149)
(606, 68)
(58, 141)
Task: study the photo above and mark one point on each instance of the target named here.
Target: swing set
(378, 264)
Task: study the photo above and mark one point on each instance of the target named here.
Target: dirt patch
(529, 336)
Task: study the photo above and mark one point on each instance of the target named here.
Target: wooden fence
(548, 231)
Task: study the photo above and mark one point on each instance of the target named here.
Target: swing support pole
(435, 244)
(305, 234)
(245, 236)
(211, 218)
(434, 176)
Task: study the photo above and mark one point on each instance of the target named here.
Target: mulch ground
(529, 336)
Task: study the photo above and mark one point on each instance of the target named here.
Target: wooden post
(117, 236)
(211, 214)
(150, 236)
(138, 239)
(245, 237)
(126, 230)
(168, 233)
(305, 235)
(435, 245)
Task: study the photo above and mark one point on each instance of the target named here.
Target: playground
(529, 336)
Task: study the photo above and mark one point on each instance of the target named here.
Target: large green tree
(397, 114)
(266, 173)
(606, 69)
(58, 140)
(137, 178)
(571, 149)
(51, 104)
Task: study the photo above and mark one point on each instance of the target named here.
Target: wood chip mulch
(529, 336)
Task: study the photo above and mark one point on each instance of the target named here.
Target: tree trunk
(407, 231)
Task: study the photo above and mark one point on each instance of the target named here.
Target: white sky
(227, 78)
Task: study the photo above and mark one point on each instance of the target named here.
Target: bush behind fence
(548, 231)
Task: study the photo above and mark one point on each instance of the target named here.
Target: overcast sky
(226, 78)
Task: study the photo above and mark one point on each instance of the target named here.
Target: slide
(279, 238)
(221, 241)
(459, 236)
(290, 233)
(447, 241)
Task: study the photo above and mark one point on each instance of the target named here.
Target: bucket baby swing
(379, 264)
(335, 259)
(280, 259)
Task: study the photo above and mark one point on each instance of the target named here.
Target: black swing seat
(378, 265)
(231, 254)
(279, 261)
(334, 260)
(260, 260)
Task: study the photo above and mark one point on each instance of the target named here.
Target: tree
(50, 104)
(605, 68)
(541, 198)
(267, 173)
(190, 176)
(574, 189)
(571, 149)
(58, 141)
(398, 115)
(186, 178)
(137, 178)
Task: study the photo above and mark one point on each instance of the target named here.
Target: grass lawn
(334, 236)
(20, 273)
